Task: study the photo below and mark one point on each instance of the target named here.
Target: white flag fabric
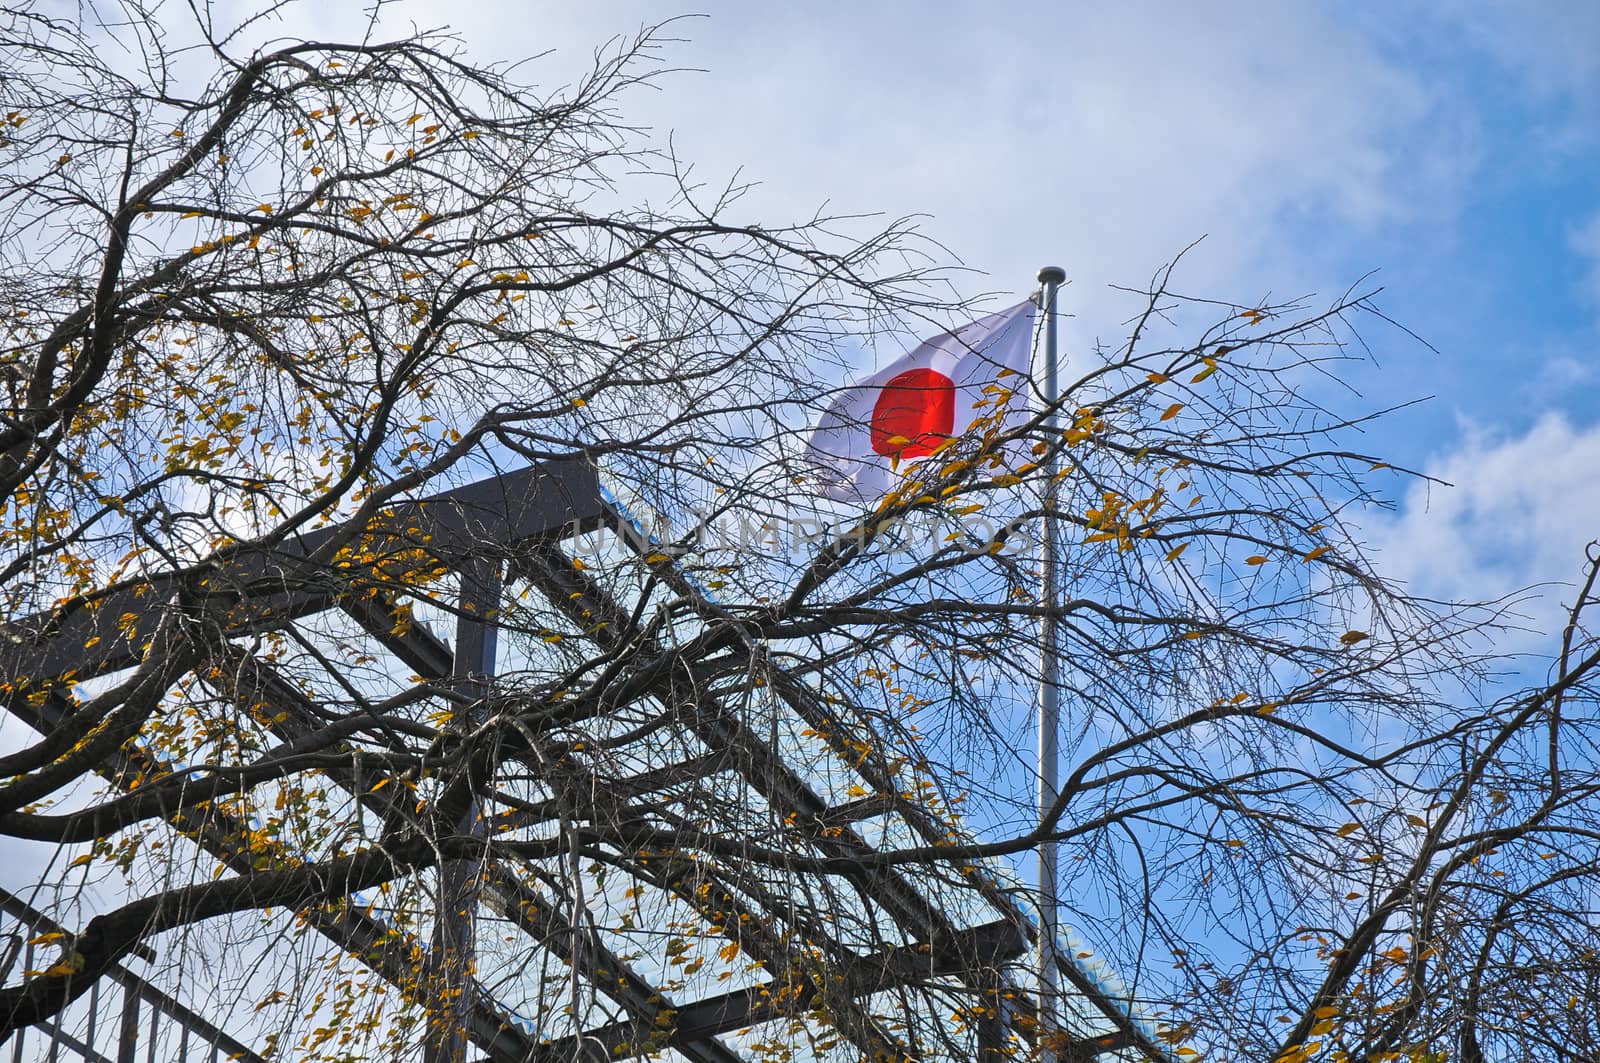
(906, 410)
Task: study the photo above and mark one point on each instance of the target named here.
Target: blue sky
(1453, 148)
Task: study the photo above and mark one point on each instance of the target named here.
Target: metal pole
(1050, 277)
(460, 880)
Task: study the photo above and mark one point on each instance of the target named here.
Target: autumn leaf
(1177, 551)
(1314, 554)
(1171, 411)
(1350, 638)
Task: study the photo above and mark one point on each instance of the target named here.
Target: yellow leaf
(656, 559)
(1255, 559)
(271, 998)
(80, 861)
(1348, 829)
(1318, 552)
(380, 785)
(1157, 378)
(190, 214)
(1350, 638)
(471, 134)
(45, 939)
(1202, 374)
(1172, 411)
(464, 263)
(1416, 820)
(1194, 635)
(265, 208)
(1177, 551)
(1236, 843)
(729, 952)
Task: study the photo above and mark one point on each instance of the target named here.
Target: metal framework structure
(512, 534)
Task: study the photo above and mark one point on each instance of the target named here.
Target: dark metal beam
(583, 599)
(367, 939)
(515, 901)
(504, 516)
(977, 949)
(252, 587)
(455, 917)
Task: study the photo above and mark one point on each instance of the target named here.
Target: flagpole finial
(1052, 275)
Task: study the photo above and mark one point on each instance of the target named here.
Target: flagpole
(1050, 278)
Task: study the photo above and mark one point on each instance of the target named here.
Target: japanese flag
(905, 411)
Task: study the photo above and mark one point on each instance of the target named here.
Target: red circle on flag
(919, 407)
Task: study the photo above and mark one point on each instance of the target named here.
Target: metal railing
(123, 1018)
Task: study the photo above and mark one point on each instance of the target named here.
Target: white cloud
(1553, 46)
(1520, 513)
(1102, 138)
(1585, 240)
